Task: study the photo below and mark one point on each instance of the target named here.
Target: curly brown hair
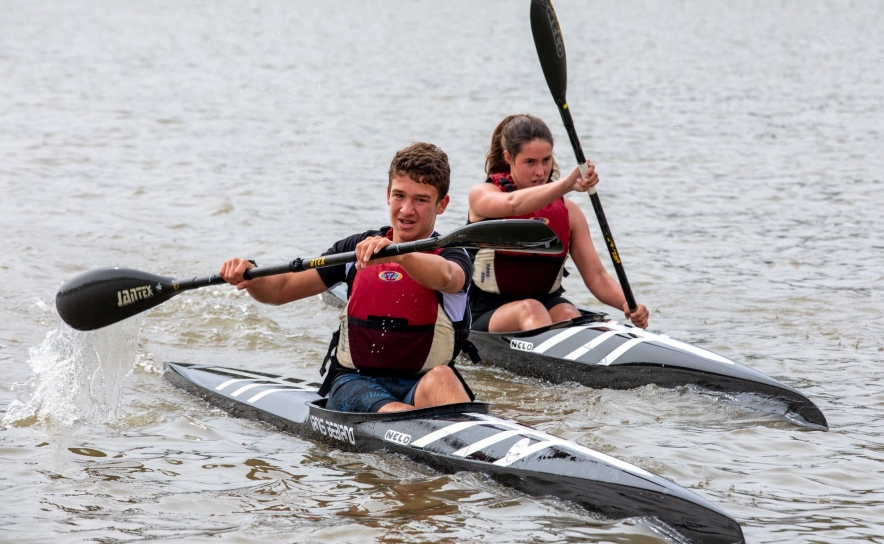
(510, 135)
(424, 163)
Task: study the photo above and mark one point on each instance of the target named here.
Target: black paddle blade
(550, 47)
(527, 235)
(104, 296)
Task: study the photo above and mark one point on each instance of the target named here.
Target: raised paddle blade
(104, 296)
(550, 47)
(526, 235)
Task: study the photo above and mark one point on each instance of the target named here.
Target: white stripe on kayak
(585, 348)
(247, 387)
(699, 352)
(546, 440)
(439, 434)
(508, 459)
(263, 383)
(550, 440)
(257, 377)
(231, 382)
(556, 441)
(665, 340)
(562, 336)
(485, 442)
(677, 344)
(623, 348)
(263, 394)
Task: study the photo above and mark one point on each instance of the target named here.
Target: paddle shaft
(550, 47)
(103, 296)
(597, 206)
(300, 265)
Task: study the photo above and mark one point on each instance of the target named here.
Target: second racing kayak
(599, 352)
(596, 351)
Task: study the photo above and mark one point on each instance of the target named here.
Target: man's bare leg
(395, 407)
(438, 386)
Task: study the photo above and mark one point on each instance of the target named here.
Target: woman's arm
(601, 284)
(489, 202)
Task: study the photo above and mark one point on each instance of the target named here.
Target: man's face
(413, 208)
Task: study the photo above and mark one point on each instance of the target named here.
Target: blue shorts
(352, 392)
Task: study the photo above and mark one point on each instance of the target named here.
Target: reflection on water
(167, 483)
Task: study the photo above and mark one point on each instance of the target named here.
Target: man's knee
(439, 376)
(440, 385)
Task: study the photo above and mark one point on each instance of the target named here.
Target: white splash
(77, 376)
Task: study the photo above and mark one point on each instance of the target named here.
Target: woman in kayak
(515, 292)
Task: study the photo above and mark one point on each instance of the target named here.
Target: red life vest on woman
(521, 274)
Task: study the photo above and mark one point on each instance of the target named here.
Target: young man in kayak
(407, 316)
(515, 292)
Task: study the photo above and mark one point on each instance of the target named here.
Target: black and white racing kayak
(597, 351)
(466, 437)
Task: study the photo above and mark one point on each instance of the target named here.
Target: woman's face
(531, 165)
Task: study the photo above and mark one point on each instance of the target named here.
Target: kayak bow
(466, 437)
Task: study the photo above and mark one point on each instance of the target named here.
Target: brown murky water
(740, 151)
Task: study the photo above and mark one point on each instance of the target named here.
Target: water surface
(739, 146)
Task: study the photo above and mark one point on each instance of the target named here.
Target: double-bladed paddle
(551, 50)
(104, 296)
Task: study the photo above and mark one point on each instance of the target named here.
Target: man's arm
(275, 290)
(292, 286)
(441, 273)
(434, 272)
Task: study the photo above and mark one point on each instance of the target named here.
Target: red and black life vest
(394, 325)
(521, 274)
